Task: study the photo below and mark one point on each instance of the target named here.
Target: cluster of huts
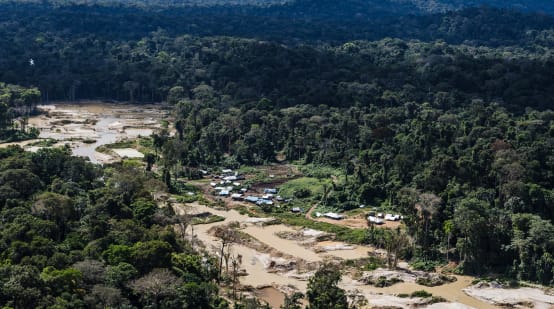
(230, 186)
(267, 198)
(229, 183)
(330, 215)
(380, 218)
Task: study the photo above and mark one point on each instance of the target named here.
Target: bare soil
(259, 263)
(87, 125)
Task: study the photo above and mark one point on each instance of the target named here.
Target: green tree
(394, 241)
(323, 291)
(201, 295)
(116, 254)
(119, 275)
(151, 254)
(57, 208)
(293, 301)
(149, 159)
(448, 228)
(60, 281)
(143, 209)
(471, 221)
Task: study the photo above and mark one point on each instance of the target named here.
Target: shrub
(421, 293)
(424, 265)
(302, 193)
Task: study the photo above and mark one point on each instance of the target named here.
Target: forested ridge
(445, 117)
(385, 7)
(89, 66)
(96, 55)
(16, 104)
(297, 22)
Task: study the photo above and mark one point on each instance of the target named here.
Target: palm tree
(325, 194)
(427, 207)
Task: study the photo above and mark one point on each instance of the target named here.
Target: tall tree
(323, 291)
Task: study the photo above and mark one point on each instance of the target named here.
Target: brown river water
(254, 263)
(85, 126)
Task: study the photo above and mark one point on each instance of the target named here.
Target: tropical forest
(285, 154)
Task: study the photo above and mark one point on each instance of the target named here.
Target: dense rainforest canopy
(84, 52)
(75, 236)
(444, 117)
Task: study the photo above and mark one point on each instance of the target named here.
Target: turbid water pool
(85, 126)
(271, 283)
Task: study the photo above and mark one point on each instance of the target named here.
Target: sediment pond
(85, 126)
(258, 275)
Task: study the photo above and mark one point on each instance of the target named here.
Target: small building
(213, 184)
(230, 178)
(390, 217)
(251, 199)
(267, 196)
(236, 184)
(263, 201)
(270, 191)
(334, 216)
(219, 188)
(237, 197)
(375, 220)
(227, 171)
(224, 193)
(243, 190)
(296, 209)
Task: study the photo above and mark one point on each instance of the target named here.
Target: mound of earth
(525, 297)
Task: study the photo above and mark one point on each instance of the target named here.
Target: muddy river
(85, 126)
(272, 283)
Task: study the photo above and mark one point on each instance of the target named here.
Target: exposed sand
(22, 143)
(515, 298)
(256, 264)
(128, 152)
(96, 123)
(267, 236)
(342, 250)
(448, 306)
(252, 261)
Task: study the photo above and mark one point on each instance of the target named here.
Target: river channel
(85, 126)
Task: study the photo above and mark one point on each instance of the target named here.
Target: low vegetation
(304, 188)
